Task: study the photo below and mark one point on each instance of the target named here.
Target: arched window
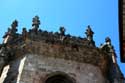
(59, 78)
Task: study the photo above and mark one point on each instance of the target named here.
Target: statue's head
(107, 39)
(62, 29)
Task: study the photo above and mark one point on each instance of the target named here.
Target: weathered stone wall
(84, 54)
(38, 68)
(85, 65)
(11, 71)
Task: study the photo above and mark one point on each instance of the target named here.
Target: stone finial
(35, 25)
(13, 27)
(14, 24)
(89, 33)
(36, 21)
(62, 31)
(24, 33)
(11, 34)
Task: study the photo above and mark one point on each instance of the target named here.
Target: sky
(74, 15)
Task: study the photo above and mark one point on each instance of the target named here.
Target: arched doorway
(59, 78)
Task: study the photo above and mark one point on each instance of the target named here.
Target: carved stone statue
(89, 33)
(36, 23)
(62, 33)
(108, 47)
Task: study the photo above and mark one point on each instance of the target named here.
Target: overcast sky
(75, 15)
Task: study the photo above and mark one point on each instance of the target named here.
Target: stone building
(38, 56)
(122, 28)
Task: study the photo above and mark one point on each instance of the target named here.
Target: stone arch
(59, 77)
